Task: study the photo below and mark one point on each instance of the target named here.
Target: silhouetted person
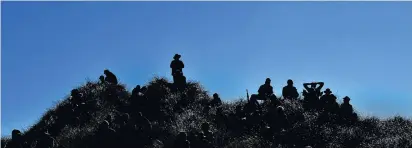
(143, 90)
(290, 91)
(176, 64)
(110, 77)
(311, 95)
(346, 111)
(265, 90)
(16, 140)
(136, 90)
(216, 100)
(313, 90)
(101, 78)
(75, 95)
(328, 102)
(181, 141)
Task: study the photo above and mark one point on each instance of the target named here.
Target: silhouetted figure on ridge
(16, 140)
(216, 100)
(75, 95)
(266, 90)
(290, 91)
(136, 91)
(313, 90)
(346, 111)
(101, 78)
(328, 102)
(177, 65)
(110, 77)
(311, 95)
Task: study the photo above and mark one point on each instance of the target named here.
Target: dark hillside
(108, 116)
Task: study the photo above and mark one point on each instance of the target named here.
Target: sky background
(359, 49)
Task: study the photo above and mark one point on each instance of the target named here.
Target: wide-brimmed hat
(346, 98)
(327, 91)
(177, 56)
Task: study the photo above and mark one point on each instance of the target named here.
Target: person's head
(346, 99)
(215, 96)
(328, 91)
(177, 56)
(290, 82)
(74, 91)
(106, 71)
(138, 87)
(101, 78)
(267, 81)
(15, 134)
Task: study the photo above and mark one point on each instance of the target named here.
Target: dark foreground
(110, 116)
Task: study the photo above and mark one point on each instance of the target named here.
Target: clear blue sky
(359, 49)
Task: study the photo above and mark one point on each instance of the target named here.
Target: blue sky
(359, 49)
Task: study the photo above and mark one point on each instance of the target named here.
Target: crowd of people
(135, 120)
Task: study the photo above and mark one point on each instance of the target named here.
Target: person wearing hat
(328, 101)
(328, 96)
(290, 91)
(346, 109)
(176, 65)
(265, 90)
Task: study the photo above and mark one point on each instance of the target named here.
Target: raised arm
(320, 85)
(306, 85)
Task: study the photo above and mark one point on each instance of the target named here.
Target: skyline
(357, 49)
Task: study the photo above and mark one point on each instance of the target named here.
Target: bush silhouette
(171, 112)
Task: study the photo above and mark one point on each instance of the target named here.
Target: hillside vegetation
(108, 116)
